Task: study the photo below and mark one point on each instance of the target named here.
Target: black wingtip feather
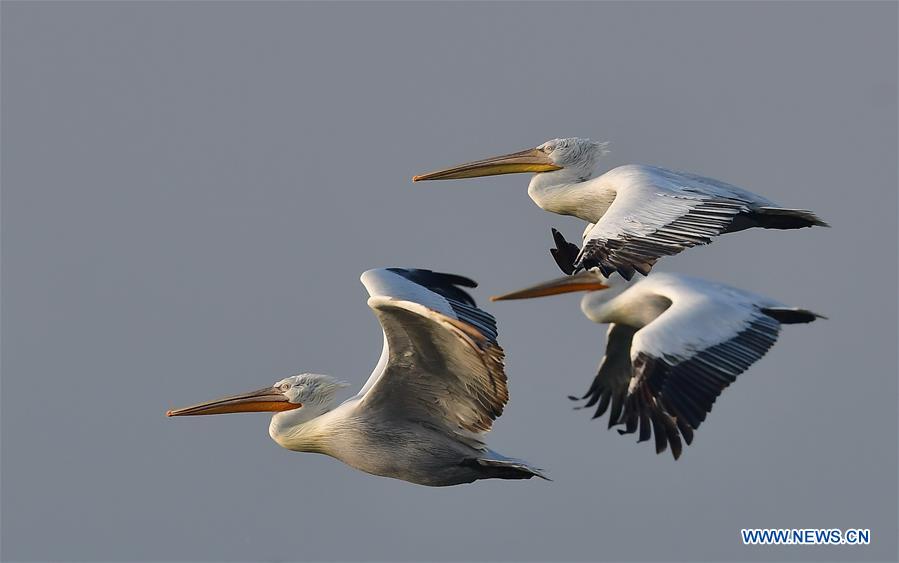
(447, 285)
(789, 316)
(565, 253)
(645, 428)
(603, 404)
(658, 431)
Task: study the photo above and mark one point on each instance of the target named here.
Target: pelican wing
(658, 212)
(441, 365)
(609, 387)
(685, 358)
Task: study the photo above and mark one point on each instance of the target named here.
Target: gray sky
(190, 192)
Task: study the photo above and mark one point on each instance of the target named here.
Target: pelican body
(635, 213)
(422, 414)
(674, 344)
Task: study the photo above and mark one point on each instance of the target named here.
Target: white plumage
(674, 344)
(421, 416)
(638, 213)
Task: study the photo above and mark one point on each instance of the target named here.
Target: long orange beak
(584, 281)
(267, 399)
(531, 160)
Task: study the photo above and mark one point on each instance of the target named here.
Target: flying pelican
(635, 213)
(674, 343)
(423, 412)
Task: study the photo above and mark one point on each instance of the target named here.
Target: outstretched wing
(441, 365)
(658, 212)
(663, 379)
(609, 387)
(684, 359)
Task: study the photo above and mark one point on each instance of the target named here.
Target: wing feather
(662, 380)
(658, 212)
(609, 387)
(684, 359)
(443, 365)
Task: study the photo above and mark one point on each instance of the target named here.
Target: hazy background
(190, 192)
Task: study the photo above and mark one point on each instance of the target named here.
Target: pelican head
(571, 157)
(299, 396)
(590, 281)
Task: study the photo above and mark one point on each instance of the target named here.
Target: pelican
(635, 213)
(674, 343)
(422, 414)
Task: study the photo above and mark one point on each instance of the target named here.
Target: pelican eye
(548, 148)
(284, 387)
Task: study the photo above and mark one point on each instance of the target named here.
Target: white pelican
(674, 343)
(422, 414)
(635, 213)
